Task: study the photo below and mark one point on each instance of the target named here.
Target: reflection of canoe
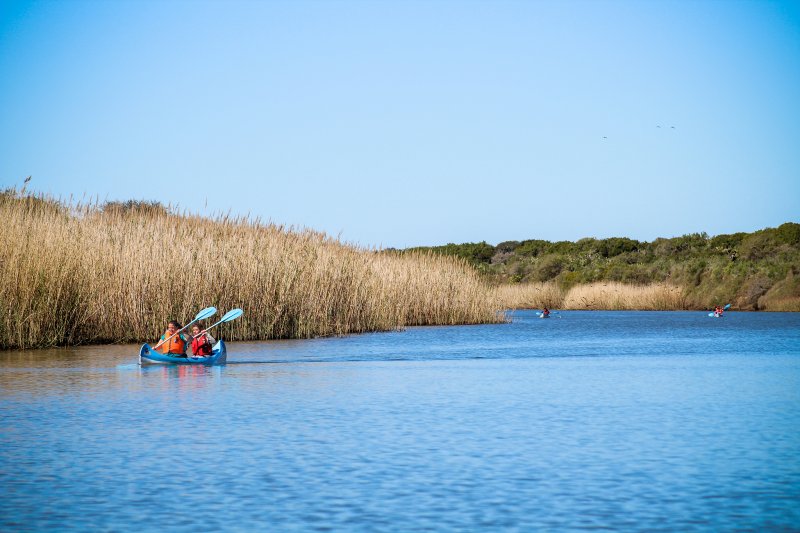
(219, 354)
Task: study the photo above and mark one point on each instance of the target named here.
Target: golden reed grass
(602, 295)
(74, 274)
(619, 296)
(786, 304)
(530, 295)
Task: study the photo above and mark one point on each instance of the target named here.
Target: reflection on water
(630, 421)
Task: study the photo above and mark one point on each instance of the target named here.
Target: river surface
(631, 421)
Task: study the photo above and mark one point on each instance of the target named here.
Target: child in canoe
(201, 342)
(171, 344)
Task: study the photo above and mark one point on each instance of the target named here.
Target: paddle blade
(727, 307)
(232, 315)
(205, 313)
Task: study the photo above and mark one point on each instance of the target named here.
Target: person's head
(174, 326)
(196, 329)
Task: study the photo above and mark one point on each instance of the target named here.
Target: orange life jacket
(175, 345)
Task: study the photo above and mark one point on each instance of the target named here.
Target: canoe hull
(148, 356)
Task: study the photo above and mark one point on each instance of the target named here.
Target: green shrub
(532, 248)
(725, 244)
(788, 233)
(757, 245)
(617, 245)
(548, 268)
(507, 246)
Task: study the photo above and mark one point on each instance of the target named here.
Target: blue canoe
(219, 354)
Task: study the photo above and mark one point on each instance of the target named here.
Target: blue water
(598, 420)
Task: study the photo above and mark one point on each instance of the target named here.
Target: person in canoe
(202, 342)
(545, 312)
(171, 344)
(718, 310)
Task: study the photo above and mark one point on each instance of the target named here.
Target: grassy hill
(758, 270)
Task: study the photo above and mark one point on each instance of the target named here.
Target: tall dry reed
(619, 296)
(530, 295)
(606, 295)
(74, 274)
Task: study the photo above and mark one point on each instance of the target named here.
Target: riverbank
(614, 296)
(82, 273)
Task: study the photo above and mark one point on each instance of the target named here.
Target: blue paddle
(233, 314)
(205, 313)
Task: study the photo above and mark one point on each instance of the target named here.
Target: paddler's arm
(187, 341)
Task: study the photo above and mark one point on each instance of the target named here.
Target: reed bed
(619, 296)
(790, 304)
(74, 273)
(607, 295)
(530, 295)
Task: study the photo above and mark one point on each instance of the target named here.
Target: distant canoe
(219, 354)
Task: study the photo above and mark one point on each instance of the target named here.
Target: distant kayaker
(174, 345)
(718, 311)
(201, 342)
(545, 312)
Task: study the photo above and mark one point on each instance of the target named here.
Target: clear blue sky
(403, 123)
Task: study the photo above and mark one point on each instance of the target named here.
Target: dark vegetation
(759, 270)
(139, 207)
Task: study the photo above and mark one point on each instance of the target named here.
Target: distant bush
(138, 207)
(788, 233)
(757, 245)
(548, 268)
(473, 252)
(725, 243)
(507, 246)
(533, 248)
(617, 245)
